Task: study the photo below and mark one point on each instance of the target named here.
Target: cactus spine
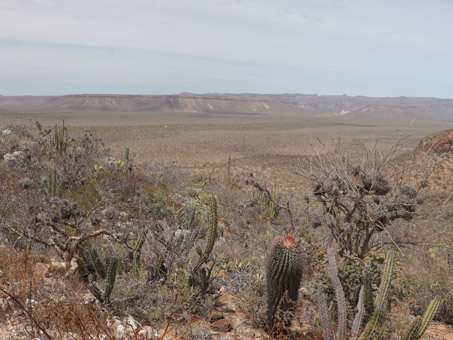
(283, 275)
(212, 234)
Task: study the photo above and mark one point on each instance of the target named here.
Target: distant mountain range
(342, 108)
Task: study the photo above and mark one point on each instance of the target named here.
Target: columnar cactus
(212, 235)
(108, 275)
(283, 274)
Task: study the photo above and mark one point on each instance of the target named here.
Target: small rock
(131, 322)
(6, 132)
(120, 331)
(448, 336)
(225, 303)
(90, 301)
(216, 315)
(222, 326)
(223, 273)
(40, 269)
(148, 333)
(4, 305)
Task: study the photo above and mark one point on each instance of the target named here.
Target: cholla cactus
(283, 274)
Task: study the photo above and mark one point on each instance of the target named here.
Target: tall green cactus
(339, 294)
(364, 299)
(137, 252)
(109, 276)
(126, 155)
(60, 138)
(284, 270)
(212, 234)
(381, 298)
(364, 307)
(418, 327)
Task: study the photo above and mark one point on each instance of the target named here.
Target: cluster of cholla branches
(357, 201)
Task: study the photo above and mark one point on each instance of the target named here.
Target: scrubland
(181, 225)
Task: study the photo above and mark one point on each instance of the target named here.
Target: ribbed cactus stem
(126, 154)
(100, 269)
(323, 310)
(283, 275)
(381, 297)
(212, 234)
(96, 291)
(412, 332)
(111, 276)
(339, 294)
(428, 316)
(54, 182)
(137, 252)
(368, 290)
(357, 323)
(418, 327)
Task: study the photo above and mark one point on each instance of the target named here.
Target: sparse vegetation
(179, 249)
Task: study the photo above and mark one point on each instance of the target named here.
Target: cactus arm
(357, 323)
(95, 291)
(212, 235)
(368, 290)
(111, 276)
(428, 316)
(413, 330)
(100, 269)
(54, 182)
(324, 315)
(339, 294)
(381, 297)
(137, 252)
(126, 154)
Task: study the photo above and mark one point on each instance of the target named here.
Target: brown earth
(440, 142)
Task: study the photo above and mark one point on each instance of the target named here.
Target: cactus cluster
(284, 270)
(366, 307)
(109, 275)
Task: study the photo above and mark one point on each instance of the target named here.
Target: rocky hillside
(440, 142)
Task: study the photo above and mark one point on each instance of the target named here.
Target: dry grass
(187, 156)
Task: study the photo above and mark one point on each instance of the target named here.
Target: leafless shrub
(359, 201)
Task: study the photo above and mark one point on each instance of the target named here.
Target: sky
(327, 47)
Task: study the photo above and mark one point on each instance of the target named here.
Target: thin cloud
(355, 47)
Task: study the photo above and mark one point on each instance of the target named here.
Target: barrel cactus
(283, 274)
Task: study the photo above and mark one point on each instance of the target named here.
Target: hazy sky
(354, 47)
